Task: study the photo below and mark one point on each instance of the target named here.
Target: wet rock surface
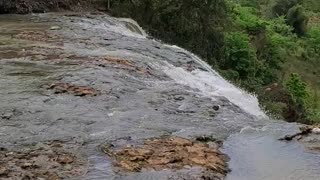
(308, 136)
(94, 80)
(112, 83)
(169, 153)
(36, 36)
(51, 160)
(59, 88)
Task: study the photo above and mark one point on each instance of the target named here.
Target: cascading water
(210, 83)
(133, 26)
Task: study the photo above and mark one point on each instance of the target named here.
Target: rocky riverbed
(88, 96)
(87, 80)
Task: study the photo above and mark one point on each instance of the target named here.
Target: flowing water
(165, 90)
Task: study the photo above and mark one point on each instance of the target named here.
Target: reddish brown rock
(65, 159)
(4, 171)
(37, 36)
(117, 61)
(73, 89)
(129, 166)
(181, 142)
(123, 64)
(48, 161)
(169, 153)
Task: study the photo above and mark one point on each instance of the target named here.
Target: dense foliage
(269, 47)
(194, 25)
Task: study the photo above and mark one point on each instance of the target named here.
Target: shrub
(297, 88)
(248, 19)
(314, 40)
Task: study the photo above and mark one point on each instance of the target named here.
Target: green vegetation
(269, 47)
(190, 24)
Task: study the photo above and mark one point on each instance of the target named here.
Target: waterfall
(211, 84)
(133, 26)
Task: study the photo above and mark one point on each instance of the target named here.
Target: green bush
(280, 26)
(297, 88)
(275, 52)
(239, 55)
(313, 105)
(247, 18)
(297, 105)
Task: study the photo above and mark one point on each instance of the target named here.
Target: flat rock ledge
(309, 136)
(170, 153)
(53, 160)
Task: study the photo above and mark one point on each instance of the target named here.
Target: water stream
(175, 97)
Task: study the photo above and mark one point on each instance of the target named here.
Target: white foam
(211, 84)
(135, 25)
(316, 130)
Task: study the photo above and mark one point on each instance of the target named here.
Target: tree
(294, 14)
(282, 7)
(297, 18)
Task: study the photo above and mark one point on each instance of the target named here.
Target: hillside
(270, 48)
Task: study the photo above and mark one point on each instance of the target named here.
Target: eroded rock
(124, 64)
(304, 132)
(51, 161)
(60, 88)
(169, 153)
(40, 36)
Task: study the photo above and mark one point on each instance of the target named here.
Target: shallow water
(257, 154)
(168, 91)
